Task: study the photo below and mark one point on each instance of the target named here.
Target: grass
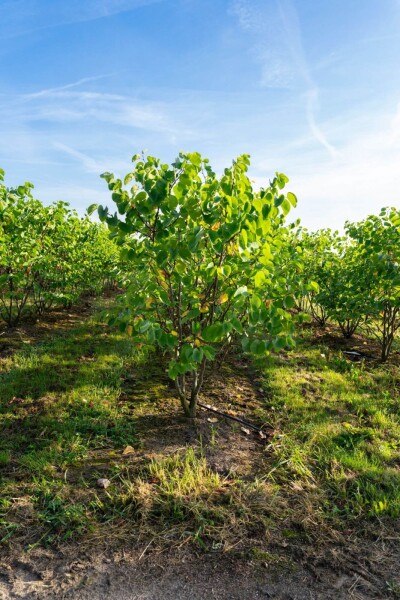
(179, 499)
(340, 431)
(58, 409)
(71, 402)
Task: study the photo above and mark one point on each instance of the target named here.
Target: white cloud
(83, 133)
(276, 44)
(363, 177)
(396, 124)
(61, 105)
(312, 101)
(79, 196)
(68, 86)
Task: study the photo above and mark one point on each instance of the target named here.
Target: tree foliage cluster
(208, 262)
(353, 279)
(48, 255)
(213, 262)
(207, 256)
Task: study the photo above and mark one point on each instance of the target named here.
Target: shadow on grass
(59, 398)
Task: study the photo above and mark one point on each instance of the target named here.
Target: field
(193, 388)
(315, 496)
(199, 300)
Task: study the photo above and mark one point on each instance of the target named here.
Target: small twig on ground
(144, 551)
(228, 416)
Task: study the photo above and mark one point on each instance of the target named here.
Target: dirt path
(183, 574)
(46, 576)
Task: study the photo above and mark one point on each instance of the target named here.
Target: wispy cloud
(61, 105)
(312, 102)
(90, 164)
(277, 45)
(79, 196)
(396, 125)
(292, 31)
(18, 17)
(68, 86)
(83, 133)
(363, 178)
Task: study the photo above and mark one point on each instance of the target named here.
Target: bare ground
(132, 575)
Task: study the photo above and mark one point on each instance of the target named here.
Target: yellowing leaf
(175, 333)
(197, 342)
(129, 330)
(223, 298)
(259, 279)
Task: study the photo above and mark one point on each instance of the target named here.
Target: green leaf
(198, 354)
(237, 325)
(128, 178)
(285, 207)
(145, 326)
(102, 212)
(292, 199)
(212, 333)
(243, 239)
(259, 279)
(313, 286)
(255, 301)
(195, 158)
(241, 291)
(279, 343)
(162, 256)
(92, 208)
(289, 302)
(258, 347)
(209, 352)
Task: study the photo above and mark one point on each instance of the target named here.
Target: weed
(5, 457)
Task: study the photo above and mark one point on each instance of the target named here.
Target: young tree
(315, 250)
(343, 298)
(48, 255)
(329, 287)
(20, 218)
(202, 251)
(376, 268)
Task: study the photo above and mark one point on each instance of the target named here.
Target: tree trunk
(389, 328)
(386, 346)
(189, 403)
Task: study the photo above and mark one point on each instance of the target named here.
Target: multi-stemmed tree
(377, 274)
(204, 256)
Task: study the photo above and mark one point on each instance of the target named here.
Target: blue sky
(310, 88)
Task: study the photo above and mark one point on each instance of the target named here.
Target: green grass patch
(339, 425)
(59, 406)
